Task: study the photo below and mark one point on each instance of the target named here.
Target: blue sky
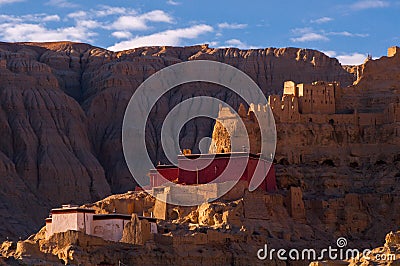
(347, 30)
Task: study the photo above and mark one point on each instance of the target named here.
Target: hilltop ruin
(322, 122)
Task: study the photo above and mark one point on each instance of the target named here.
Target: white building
(107, 226)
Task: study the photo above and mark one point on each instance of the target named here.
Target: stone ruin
(316, 125)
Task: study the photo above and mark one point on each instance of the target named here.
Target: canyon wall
(61, 110)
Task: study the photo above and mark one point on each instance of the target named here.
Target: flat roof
(111, 216)
(208, 156)
(219, 155)
(71, 210)
(163, 166)
(108, 216)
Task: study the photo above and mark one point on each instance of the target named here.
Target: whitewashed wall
(110, 229)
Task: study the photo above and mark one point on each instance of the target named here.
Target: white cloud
(39, 33)
(235, 42)
(238, 44)
(4, 2)
(348, 34)
(105, 11)
(330, 53)
(88, 24)
(352, 59)
(157, 16)
(82, 26)
(310, 37)
(61, 4)
(51, 18)
(33, 27)
(129, 23)
(232, 26)
(167, 38)
(347, 59)
(213, 43)
(29, 18)
(322, 20)
(173, 3)
(123, 20)
(302, 30)
(367, 4)
(139, 22)
(8, 18)
(78, 14)
(122, 34)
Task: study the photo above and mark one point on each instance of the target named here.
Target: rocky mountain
(62, 106)
(231, 230)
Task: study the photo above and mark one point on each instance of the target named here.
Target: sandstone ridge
(62, 106)
(224, 232)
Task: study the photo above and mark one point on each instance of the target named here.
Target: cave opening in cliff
(328, 162)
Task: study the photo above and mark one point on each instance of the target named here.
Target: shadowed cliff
(62, 106)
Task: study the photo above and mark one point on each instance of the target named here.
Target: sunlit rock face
(62, 106)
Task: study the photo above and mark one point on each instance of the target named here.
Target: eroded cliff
(62, 106)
